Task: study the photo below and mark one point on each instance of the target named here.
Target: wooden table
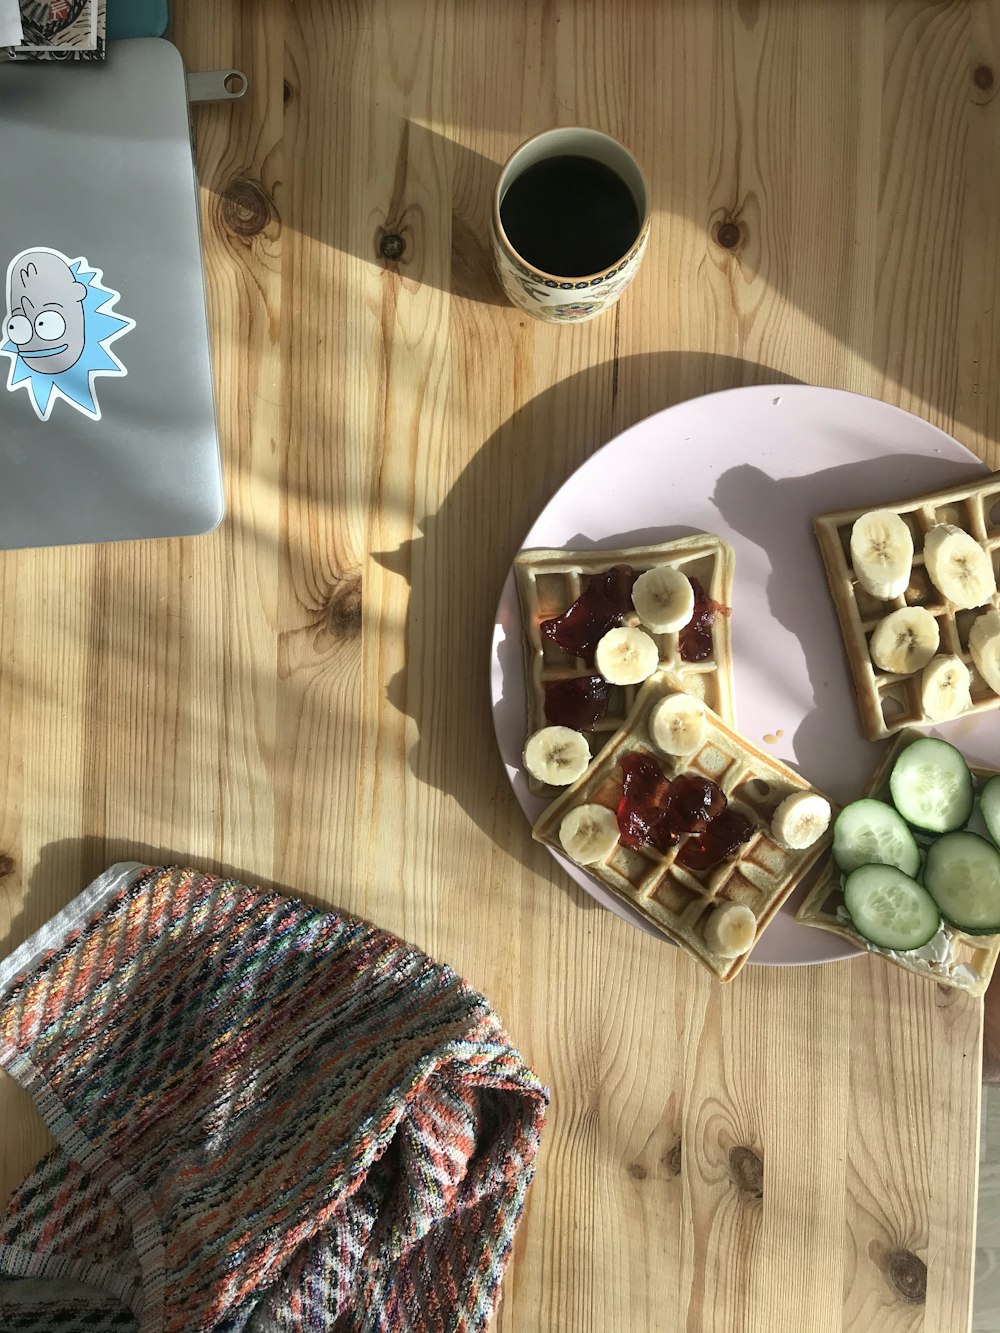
(301, 697)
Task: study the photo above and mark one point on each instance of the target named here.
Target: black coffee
(570, 216)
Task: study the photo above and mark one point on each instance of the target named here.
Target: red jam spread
(695, 638)
(695, 802)
(577, 703)
(643, 781)
(644, 809)
(657, 810)
(637, 827)
(722, 839)
(603, 604)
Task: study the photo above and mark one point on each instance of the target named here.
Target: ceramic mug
(553, 297)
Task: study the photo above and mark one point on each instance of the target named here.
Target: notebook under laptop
(107, 415)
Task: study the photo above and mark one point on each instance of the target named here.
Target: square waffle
(964, 961)
(672, 897)
(549, 582)
(889, 702)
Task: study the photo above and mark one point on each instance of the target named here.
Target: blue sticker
(59, 327)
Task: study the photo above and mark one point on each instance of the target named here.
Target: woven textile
(270, 1118)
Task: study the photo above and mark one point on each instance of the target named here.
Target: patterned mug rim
(558, 281)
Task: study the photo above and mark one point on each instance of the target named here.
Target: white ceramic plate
(752, 465)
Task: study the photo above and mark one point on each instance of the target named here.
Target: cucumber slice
(962, 873)
(976, 824)
(890, 909)
(868, 833)
(989, 805)
(931, 786)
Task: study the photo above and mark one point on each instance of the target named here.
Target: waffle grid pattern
(549, 582)
(674, 898)
(889, 702)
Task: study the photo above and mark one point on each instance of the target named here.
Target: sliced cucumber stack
(890, 909)
(931, 786)
(869, 832)
(926, 857)
(989, 805)
(962, 873)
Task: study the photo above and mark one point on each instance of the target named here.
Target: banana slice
(556, 755)
(944, 688)
(882, 553)
(984, 645)
(663, 599)
(800, 819)
(626, 656)
(905, 641)
(958, 566)
(730, 930)
(677, 724)
(589, 833)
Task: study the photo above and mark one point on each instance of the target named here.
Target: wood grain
(986, 1306)
(300, 698)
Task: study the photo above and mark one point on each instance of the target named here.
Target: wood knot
(343, 608)
(637, 1171)
(287, 92)
(982, 77)
(948, 997)
(747, 1169)
(729, 235)
(246, 208)
(7, 865)
(391, 246)
(673, 1160)
(908, 1274)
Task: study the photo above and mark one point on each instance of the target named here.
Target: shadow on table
(444, 687)
(758, 506)
(66, 867)
(746, 158)
(399, 235)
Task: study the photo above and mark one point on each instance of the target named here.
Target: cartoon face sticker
(45, 319)
(58, 331)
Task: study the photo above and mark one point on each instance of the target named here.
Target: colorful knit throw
(270, 1118)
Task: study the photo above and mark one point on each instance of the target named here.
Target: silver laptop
(107, 414)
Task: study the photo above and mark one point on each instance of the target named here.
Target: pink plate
(751, 465)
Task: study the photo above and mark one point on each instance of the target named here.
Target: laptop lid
(107, 414)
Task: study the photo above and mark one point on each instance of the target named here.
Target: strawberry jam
(694, 803)
(643, 780)
(603, 604)
(638, 827)
(722, 839)
(644, 809)
(577, 703)
(695, 639)
(658, 811)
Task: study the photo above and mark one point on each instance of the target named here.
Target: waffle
(968, 960)
(549, 582)
(888, 702)
(677, 900)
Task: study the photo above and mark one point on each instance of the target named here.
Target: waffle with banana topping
(549, 582)
(677, 899)
(888, 699)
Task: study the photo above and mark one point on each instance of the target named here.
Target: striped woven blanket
(269, 1118)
